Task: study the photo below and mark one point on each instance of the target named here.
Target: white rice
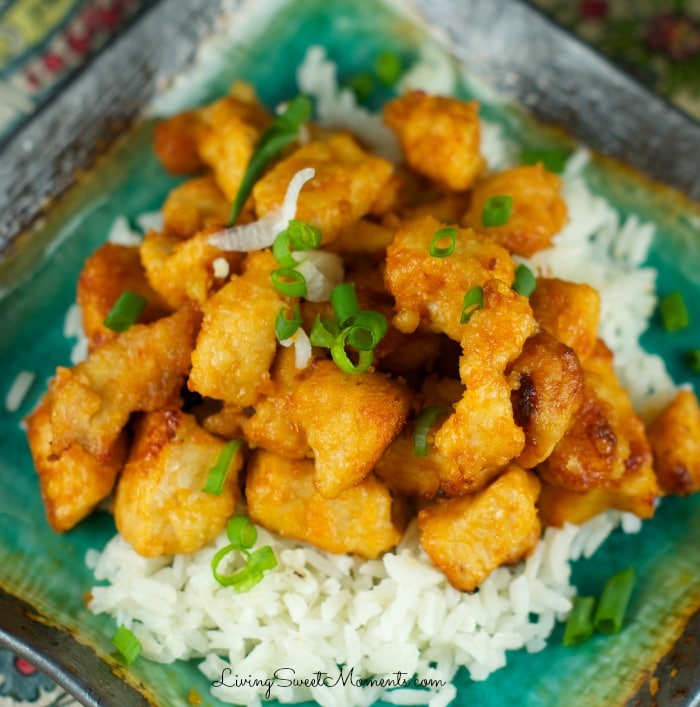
(337, 616)
(18, 390)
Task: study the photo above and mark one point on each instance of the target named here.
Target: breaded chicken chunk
(237, 344)
(537, 214)
(349, 420)
(160, 507)
(108, 272)
(73, 484)
(193, 206)
(347, 181)
(282, 497)
(430, 291)
(142, 370)
(470, 536)
(675, 440)
(440, 137)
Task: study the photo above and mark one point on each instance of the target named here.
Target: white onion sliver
(321, 270)
(302, 348)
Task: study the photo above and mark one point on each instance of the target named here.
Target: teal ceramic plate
(47, 571)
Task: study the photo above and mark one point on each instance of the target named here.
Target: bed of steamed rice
(395, 617)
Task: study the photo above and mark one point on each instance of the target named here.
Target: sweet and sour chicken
(527, 426)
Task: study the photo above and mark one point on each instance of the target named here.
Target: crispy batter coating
(193, 206)
(72, 485)
(176, 142)
(569, 311)
(430, 291)
(675, 440)
(482, 435)
(538, 210)
(349, 420)
(282, 496)
(549, 393)
(160, 507)
(108, 272)
(440, 137)
(469, 537)
(347, 182)
(142, 370)
(237, 344)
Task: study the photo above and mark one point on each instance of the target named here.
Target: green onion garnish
(282, 251)
(125, 312)
(424, 423)
(388, 68)
(496, 210)
(446, 236)
(367, 330)
(344, 301)
(674, 313)
(289, 282)
(553, 160)
(218, 473)
(579, 625)
(286, 328)
(282, 132)
(613, 602)
(303, 236)
(127, 644)
(343, 361)
(694, 360)
(323, 333)
(473, 300)
(241, 532)
(525, 282)
(361, 85)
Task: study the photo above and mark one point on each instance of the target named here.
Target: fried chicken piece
(569, 311)
(364, 237)
(347, 182)
(142, 370)
(228, 421)
(73, 484)
(549, 393)
(469, 537)
(349, 420)
(675, 440)
(440, 137)
(237, 344)
(430, 291)
(481, 436)
(176, 142)
(184, 270)
(108, 272)
(196, 205)
(538, 209)
(160, 507)
(282, 497)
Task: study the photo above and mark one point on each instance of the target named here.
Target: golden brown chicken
(195, 205)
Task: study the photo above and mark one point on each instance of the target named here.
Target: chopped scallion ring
(127, 644)
(289, 282)
(554, 159)
(448, 238)
(388, 68)
(323, 333)
(241, 532)
(674, 313)
(612, 606)
(496, 210)
(367, 330)
(303, 236)
(473, 300)
(525, 282)
(344, 301)
(579, 625)
(343, 361)
(262, 559)
(423, 425)
(282, 252)
(125, 312)
(361, 85)
(286, 328)
(218, 473)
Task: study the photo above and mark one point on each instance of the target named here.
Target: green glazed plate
(47, 572)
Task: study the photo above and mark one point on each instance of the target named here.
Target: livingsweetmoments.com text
(287, 677)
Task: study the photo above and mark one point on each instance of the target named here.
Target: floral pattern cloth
(44, 42)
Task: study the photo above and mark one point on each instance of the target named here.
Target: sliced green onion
(613, 602)
(525, 282)
(286, 328)
(282, 132)
(473, 300)
(496, 210)
(262, 559)
(127, 644)
(448, 234)
(361, 85)
(344, 301)
(289, 282)
(303, 235)
(125, 312)
(553, 160)
(241, 532)
(218, 473)
(694, 360)
(674, 313)
(579, 625)
(323, 333)
(388, 68)
(342, 360)
(367, 330)
(423, 425)
(282, 251)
